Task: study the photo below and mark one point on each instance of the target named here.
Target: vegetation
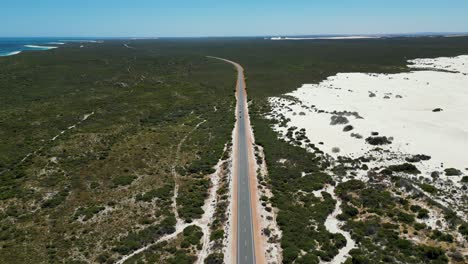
(182, 249)
(123, 113)
(311, 62)
(123, 180)
(144, 102)
(376, 141)
(89, 212)
(380, 240)
(295, 207)
(452, 172)
(405, 168)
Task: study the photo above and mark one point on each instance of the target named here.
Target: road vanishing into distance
(244, 194)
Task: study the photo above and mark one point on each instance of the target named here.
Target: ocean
(13, 46)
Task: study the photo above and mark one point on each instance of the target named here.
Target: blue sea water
(13, 46)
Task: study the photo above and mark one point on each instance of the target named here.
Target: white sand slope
(324, 38)
(424, 111)
(40, 47)
(10, 54)
(402, 108)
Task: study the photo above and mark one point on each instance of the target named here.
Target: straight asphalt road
(245, 236)
(243, 243)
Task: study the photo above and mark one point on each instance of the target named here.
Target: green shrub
(405, 168)
(463, 229)
(428, 188)
(218, 234)
(438, 235)
(163, 193)
(433, 253)
(215, 258)
(405, 218)
(376, 141)
(56, 200)
(423, 213)
(123, 180)
(88, 212)
(452, 172)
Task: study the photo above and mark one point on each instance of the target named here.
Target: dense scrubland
(103, 188)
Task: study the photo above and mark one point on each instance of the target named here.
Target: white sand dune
(82, 40)
(10, 53)
(421, 112)
(40, 47)
(325, 38)
(396, 105)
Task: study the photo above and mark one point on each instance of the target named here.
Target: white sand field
(395, 105)
(421, 112)
(40, 47)
(324, 38)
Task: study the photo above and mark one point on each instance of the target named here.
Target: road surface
(246, 243)
(245, 237)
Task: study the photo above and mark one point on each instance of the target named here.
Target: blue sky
(181, 18)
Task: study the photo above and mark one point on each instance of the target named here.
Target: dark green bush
(215, 258)
(123, 180)
(452, 172)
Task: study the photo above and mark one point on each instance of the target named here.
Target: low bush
(405, 168)
(215, 258)
(56, 199)
(88, 212)
(377, 141)
(348, 128)
(452, 172)
(338, 120)
(123, 180)
(429, 188)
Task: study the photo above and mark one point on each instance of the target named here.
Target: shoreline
(8, 54)
(38, 47)
(19, 45)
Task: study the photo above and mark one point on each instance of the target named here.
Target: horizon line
(250, 36)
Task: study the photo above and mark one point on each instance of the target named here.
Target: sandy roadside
(233, 220)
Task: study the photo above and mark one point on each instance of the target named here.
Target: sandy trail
(27, 156)
(180, 222)
(333, 225)
(204, 222)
